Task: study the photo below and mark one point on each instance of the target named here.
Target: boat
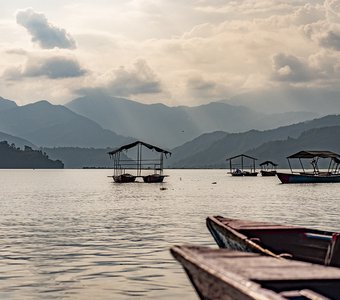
(315, 175)
(238, 168)
(150, 168)
(225, 274)
(124, 178)
(153, 178)
(291, 242)
(268, 168)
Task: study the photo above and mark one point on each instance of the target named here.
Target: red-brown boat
(293, 242)
(225, 274)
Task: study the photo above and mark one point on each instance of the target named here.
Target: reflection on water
(74, 234)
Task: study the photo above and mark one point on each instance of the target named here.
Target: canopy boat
(142, 167)
(315, 175)
(238, 168)
(268, 168)
(293, 242)
(225, 274)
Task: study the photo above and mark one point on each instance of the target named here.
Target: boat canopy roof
(312, 154)
(241, 155)
(268, 162)
(134, 144)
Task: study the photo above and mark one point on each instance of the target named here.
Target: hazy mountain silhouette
(323, 101)
(75, 157)
(50, 125)
(173, 126)
(325, 138)
(214, 153)
(19, 142)
(12, 157)
(6, 104)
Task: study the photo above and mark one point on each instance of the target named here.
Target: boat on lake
(238, 165)
(149, 168)
(292, 242)
(225, 274)
(268, 168)
(314, 175)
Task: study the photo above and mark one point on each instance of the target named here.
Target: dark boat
(268, 168)
(293, 242)
(140, 167)
(332, 174)
(225, 274)
(238, 168)
(153, 178)
(124, 178)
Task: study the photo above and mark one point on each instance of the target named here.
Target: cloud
(140, 79)
(56, 67)
(290, 68)
(43, 33)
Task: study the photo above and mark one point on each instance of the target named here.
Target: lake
(74, 234)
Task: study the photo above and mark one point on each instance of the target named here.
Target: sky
(171, 51)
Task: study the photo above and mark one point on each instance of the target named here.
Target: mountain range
(44, 124)
(172, 126)
(218, 130)
(211, 150)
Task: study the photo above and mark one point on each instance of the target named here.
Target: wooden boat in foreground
(332, 175)
(293, 242)
(226, 274)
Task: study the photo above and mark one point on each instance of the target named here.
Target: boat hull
(154, 178)
(298, 243)
(305, 178)
(224, 274)
(268, 173)
(124, 178)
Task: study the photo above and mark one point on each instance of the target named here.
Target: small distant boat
(293, 242)
(224, 274)
(332, 175)
(268, 168)
(238, 169)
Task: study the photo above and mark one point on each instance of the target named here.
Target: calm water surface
(74, 234)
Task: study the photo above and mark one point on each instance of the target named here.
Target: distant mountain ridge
(325, 138)
(173, 126)
(215, 152)
(19, 142)
(49, 125)
(6, 104)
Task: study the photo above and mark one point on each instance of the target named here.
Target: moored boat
(225, 274)
(124, 178)
(238, 168)
(293, 242)
(268, 168)
(153, 178)
(138, 166)
(331, 175)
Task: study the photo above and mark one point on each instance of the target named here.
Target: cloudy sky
(170, 51)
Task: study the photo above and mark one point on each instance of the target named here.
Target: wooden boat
(124, 178)
(238, 169)
(268, 168)
(153, 178)
(332, 175)
(293, 242)
(138, 166)
(225, 274)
